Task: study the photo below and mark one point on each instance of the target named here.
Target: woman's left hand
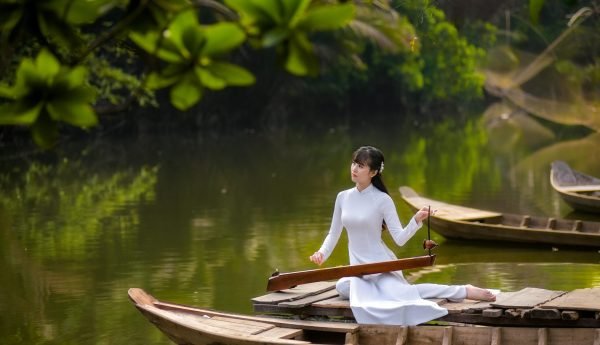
(423, 213)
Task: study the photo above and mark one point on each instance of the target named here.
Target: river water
(204, 219)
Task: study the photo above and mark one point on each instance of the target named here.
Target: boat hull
(186, 325)
(472, 231)
(458, 222)
(580, 191)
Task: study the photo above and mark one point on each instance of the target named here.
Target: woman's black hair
(372, 157)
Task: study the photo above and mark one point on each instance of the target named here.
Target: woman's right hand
(423, 213)
(317, 258)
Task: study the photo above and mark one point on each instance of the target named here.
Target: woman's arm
(335, 231)
(399, 233)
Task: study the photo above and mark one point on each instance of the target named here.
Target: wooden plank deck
(580, 299)
(527, 307)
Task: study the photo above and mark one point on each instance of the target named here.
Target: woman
(385, 298)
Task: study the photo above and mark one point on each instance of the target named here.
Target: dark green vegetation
(71, 63)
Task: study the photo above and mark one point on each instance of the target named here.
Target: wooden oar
(281, 281)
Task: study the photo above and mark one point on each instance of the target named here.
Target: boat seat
(525, 221)
(551, 224)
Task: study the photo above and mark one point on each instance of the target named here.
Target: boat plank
(251, 327)
(303, 302)
(579, 299)
(527, 298)
(204, 323)
(472, 306)
(282, 333)
(335, 303)
(402, 336)
(310, 325)
(295, 293)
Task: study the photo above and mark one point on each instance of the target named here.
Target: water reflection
(205, 221)
(514, 276)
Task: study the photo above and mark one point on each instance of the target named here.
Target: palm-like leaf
(57, 20)
(286, 24)
(193, 54)
(45, 93)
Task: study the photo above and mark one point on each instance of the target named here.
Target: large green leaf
(209, 80)
(535, 7)
(289, 8)
(57, 31)
(186, 92)
(300, 59)
(271, 8)
(249, 11)
(175, 33)
(19, 113)
(298, 12)
(193, 39)
(232, 74)
(77, 12)
(221, 38)
(45, 132)
(47, 66)
(171, 5)
(7, 92)
(159, 81)
(10, 15)
(152, 43)
(275, 36)
(327, 17)
(85, 12)
(75, 113)
(26, 79)
(76, 76)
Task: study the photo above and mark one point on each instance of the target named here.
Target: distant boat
(188, 325)
(452, 221)
(580, 191)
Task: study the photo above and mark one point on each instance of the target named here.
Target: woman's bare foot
(479, 294)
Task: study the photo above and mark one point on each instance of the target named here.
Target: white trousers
(389, 299)
(455, 293)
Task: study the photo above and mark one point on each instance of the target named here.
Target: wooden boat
(188, 325)
(580, 191)
(452, 221)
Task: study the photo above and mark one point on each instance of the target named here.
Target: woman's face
(361, 173)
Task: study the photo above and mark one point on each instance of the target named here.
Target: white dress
(385, 298)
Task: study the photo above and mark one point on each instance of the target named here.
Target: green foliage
(155, 13)
(451, 66)
(45, 93)
(287, 24)
(433, 61)
(93, 41)
(193, 53)
(535, 7)
(56, 20)
(449, 60)
(116, 85)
